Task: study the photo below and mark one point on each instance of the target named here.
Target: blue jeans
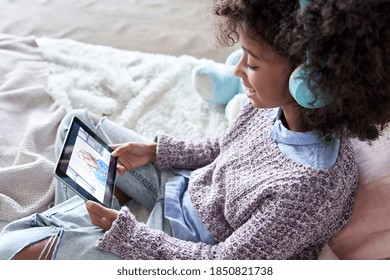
(69, 221)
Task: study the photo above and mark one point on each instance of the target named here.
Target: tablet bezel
(64, 159)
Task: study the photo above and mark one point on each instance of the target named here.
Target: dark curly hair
(349, 54)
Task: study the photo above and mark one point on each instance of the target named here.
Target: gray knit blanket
(29, 119)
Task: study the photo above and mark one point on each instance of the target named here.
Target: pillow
(367, 234)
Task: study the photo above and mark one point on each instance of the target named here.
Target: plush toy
(215, 82)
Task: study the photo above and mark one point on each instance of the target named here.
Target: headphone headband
(299, 84)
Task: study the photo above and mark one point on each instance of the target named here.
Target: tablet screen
(86, 164)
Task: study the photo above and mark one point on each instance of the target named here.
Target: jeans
(69, 221)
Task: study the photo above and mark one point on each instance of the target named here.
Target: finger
(101, 222)
(125, 160)
(97, 219)
(120, 149)
(115, 148)
(121, 169)
(101, 211)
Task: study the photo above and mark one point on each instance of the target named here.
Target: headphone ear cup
(299, 89)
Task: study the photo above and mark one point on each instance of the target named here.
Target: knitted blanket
(29, 120)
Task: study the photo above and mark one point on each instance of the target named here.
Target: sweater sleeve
(185, 154)
(271, 232)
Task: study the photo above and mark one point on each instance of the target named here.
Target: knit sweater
(255, 202)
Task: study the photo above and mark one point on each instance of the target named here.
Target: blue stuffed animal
(215, 82)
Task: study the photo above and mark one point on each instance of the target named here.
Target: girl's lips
(249, 91)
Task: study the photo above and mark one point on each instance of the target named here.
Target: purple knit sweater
(255, 202)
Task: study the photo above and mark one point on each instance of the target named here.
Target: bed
(131, 60)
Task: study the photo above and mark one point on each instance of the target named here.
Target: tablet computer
(86, 165)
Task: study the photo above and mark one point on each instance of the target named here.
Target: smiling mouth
(250, 91)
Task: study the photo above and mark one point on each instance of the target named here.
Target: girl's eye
(249, 67)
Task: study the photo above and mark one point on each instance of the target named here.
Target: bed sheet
(174, 27)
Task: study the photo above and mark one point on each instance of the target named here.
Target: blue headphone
(299, 86)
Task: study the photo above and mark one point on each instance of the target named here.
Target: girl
(278, 184)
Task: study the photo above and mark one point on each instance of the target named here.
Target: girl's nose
(239, 68)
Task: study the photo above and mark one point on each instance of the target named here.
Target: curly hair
(348, 55)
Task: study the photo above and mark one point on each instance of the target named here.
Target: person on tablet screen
(97, 166)
(277, 184)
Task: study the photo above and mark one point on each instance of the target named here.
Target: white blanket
(145, 92)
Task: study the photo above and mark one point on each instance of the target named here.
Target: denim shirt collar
(281, 134)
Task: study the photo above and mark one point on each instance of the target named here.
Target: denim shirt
(302, 147)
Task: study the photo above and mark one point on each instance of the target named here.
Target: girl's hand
(101, 216)
(133, 155)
